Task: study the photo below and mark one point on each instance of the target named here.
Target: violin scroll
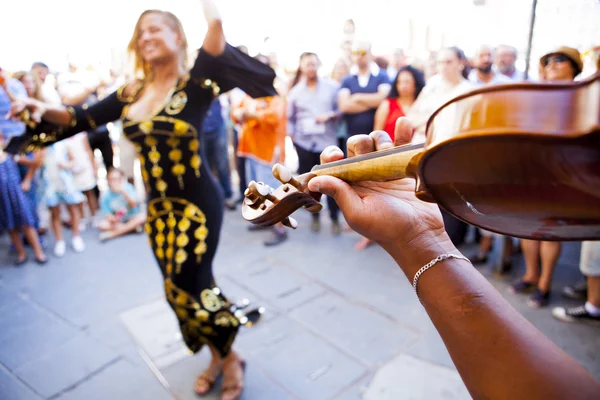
(265, 206)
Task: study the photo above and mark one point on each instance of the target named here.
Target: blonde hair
(140, 67)
(37, 95)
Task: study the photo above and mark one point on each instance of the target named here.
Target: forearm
(214, 42)
(369, 100)
(131, 202)
(76, 99)
(352, 106)
(490, 343)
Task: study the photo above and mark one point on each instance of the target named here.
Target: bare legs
(112, 229)
(547, 253)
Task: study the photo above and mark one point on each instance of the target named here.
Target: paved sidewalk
(340, 324)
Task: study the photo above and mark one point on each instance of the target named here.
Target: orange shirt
(261, 135)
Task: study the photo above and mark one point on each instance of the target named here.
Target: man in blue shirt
(363, 91)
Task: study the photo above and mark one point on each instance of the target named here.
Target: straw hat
(569, 52)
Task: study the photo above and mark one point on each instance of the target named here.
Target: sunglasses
(558, 58)
(359, 52)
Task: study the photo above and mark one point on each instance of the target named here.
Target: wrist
(411, 256)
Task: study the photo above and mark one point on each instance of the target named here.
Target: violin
(522, 160)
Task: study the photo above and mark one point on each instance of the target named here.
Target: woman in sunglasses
(563, 64)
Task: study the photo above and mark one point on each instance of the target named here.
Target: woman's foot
(522, 286)
(539, 299)
(206, 381)
(21, 260)
(233, 377)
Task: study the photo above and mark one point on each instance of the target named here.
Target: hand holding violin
(386, 212)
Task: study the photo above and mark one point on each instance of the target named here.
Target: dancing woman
(162, 115)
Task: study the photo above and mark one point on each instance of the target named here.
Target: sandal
(522, 287)
(539, 299)
(233, 385)
(208, 379)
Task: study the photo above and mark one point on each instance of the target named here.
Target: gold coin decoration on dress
(156, 171)
(175, 155)
(182, 240)
(154, 156)
(160, 224)
(167, 205)
(200, 249)
(181, 299)
(180, 127)
(222, 319)
(202, 315)
(195, 162)
(160, 239)
(161, 186)
(160, 253)
(201, 233)
(173, 142)
(184, 224)
(180, 256)
(178, 169)
(194, 145)
(150, 141)
(210, 300)
(146, 127)
(177, 103)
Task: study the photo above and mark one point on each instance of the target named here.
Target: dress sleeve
(233, 69)
(83, 118)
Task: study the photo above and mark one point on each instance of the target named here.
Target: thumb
(340, 191)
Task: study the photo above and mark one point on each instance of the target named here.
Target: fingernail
(313, 186)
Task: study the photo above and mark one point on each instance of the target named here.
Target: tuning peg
(259, 191)
(284, 175)
(290, 222)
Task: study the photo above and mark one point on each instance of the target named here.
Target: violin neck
(381, 165)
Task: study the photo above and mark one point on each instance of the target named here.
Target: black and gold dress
(185, 208)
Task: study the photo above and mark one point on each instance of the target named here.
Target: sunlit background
(96, 33)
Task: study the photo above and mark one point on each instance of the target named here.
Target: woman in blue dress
(16, 211)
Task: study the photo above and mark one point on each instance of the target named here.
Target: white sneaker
(78, 244)
(59, 248)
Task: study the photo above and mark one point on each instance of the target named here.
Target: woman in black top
(162, 115)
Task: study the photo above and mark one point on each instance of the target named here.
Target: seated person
(119, 207)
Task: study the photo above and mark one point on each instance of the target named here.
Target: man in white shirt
(506, 57)
(483, 74)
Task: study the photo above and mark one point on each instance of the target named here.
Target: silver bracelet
(431, 263)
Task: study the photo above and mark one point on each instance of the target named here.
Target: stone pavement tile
(304, 364)
(110, 331)
(182, 376)
(155, 329)
(354, 328)
(388, 292)
(430, 347)
(34, 341)
(13, 389)
(119, 381)
(8, 297)
(406, 377)
(21, 314)
(278, 284)
(66, 365)
(357, 390)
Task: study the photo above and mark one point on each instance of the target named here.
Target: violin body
(521, 160)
